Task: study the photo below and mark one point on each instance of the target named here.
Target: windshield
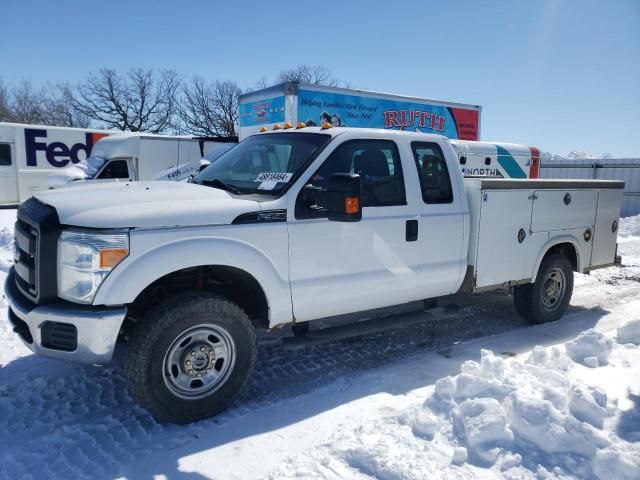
(264, 163)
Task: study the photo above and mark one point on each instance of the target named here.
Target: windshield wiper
(215, 183)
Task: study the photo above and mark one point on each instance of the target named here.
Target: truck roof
(335, 131)
(470, 147)
(52, 127)
(291, 88)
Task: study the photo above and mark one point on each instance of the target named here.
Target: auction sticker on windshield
(274, 177)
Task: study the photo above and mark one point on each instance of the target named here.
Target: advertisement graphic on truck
(30, 153)
(315, 105)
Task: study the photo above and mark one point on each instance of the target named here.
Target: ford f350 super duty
(291, 225)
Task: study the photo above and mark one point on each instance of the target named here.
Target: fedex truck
(297, 105)
(143, 156)
(30, 153)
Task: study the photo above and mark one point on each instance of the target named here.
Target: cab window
(378, 164)
(5, 155)
(435, 181)
(115, 169)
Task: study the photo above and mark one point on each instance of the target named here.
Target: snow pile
(6, 243)
(580, 155)
(80, 171)
(629, 333)
(590, 348)
(629, 227)
(6, 237)
(534, 415)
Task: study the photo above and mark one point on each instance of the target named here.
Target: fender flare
(140, 269)
(552, 243)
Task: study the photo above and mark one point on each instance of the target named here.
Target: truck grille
(36, 239)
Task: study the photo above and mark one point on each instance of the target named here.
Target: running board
(365, 327)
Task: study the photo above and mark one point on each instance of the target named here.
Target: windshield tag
(268, 185)
(273, 177)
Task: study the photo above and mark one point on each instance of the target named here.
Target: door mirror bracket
(344, 198)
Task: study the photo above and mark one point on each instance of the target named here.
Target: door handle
(412, 230)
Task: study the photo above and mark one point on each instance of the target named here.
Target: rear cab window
(435, 180)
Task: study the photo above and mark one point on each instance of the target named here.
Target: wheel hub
(199, 361)
(554, 289)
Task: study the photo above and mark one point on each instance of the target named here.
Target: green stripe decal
(509, 164)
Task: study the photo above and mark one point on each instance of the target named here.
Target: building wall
(626, 169)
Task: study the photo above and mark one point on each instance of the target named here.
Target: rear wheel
(547, 299)
(190, 356)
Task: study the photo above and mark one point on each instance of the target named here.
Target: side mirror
(343, 198)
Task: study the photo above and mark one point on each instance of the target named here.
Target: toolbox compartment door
(606, 232)
(501, 256)
(563, 210)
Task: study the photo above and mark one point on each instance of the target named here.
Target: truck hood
(145, 204)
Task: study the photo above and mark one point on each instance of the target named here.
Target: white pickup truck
(290, 226)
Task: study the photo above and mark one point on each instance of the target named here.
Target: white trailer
(315, 105)
(301, 105)
(30, 153)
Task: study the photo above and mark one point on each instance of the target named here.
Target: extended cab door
(338, 267)
(8, 178)
(442, 219)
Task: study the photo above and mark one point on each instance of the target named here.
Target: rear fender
(570, 239)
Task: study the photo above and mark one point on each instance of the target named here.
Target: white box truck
(30, 153)
(288, 227)
(143, 156)
(315, 105)
(308, 105)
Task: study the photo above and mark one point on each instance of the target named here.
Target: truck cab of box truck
(141, 156)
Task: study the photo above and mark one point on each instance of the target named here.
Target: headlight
(85, 259)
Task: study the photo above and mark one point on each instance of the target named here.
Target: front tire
(190, 357)
(547, 299)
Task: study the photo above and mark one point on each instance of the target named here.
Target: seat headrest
(373, 163)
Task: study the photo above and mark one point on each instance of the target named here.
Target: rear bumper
(64, 330)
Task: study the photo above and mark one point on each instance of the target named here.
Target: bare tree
(5, 109)
(26, 103)
(139, 101)
(57, 107)
(309, 74)
(210, 109)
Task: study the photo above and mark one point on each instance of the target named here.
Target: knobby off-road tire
(190, 357)
(547, 299)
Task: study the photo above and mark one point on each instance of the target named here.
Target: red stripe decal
(534, 169)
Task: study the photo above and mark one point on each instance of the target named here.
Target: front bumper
(92, 341)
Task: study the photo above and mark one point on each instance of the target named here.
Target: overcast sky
(558, 74)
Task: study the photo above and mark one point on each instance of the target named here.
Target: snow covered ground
(478, 394)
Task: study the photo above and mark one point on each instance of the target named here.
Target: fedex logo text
(58, 154)
(408, 118)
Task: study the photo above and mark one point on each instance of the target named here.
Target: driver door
(338, 267)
